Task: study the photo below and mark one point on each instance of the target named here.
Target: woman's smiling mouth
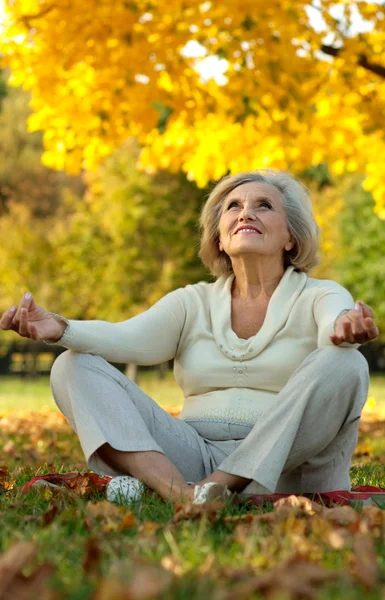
(247, 230)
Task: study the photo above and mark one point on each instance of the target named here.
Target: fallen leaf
(300, 504)
(128, 522)
(13, 584)
(343, 515)
(172, 564)
(9, 448)
(246, 518)
(85, 484)
(92, 556)
(4, 472)
(104, 509)
(189, 510)
(292, 579)
(51, 513)
(148, 528)
(336, 538)
(364, 562)
(104, 512)
(147, 582)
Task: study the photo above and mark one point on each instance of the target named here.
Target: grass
(101, 552)
(22, 395)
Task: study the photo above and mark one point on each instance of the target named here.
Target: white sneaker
(208, 492)
(124, 489)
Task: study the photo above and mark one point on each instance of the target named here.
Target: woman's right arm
(32, 321)
(149, 338)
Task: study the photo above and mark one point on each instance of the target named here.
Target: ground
(76, 546)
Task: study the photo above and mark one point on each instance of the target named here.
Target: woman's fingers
(348, 332)
(366, 309)
(371, 328)
(23, 325)
(355, 328)
(7, 318)
(24, 303)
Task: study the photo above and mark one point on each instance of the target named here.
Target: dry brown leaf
(148, 528)
(246, 518)
(374, 516)
(111, 588)
(299, 504)
(32, 454)
(364, 562)
(31, 587)
(343, 515)
(103, 510)
(128, 522)
(51, 513)
(13, 561)
(9, 448)
(337, 538)
(92, 556)
(295, 578)
(4, 472)
(147, 582)
(189, 510)
(13, 584)
(173, 565)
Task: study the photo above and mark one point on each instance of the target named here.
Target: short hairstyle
(300, 220)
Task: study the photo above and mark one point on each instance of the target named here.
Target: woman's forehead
(254, 189)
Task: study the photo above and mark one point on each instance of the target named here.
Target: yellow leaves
(338, 167)
(164, 82)
(94, 83)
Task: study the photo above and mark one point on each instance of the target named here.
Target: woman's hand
(356, 326)
(32, 321)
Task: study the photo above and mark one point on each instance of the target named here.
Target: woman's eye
(232, 204)
(265, 203)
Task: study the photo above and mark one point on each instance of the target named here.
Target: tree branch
(363, 60)
(27, 18)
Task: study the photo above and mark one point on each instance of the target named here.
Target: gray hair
(300, 221)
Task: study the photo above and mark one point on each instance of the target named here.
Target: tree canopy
(301, 86)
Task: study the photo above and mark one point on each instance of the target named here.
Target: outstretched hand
(356, 326)
(32, 321)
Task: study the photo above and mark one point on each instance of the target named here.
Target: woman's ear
(220, 246)
(289, 245)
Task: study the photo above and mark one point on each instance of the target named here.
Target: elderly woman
(266, 357)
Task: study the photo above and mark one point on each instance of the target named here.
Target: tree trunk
(131, 371)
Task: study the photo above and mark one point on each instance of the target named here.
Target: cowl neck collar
(280, 305)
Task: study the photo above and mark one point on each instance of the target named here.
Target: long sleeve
(328, 304)
(146, 339)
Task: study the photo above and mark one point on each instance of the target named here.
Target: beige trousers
(303, 444)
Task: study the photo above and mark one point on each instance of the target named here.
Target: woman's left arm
(340, 321)
(355, 326)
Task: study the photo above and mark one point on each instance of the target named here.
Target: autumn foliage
(300, 85)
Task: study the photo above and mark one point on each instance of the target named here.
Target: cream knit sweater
(223, 378)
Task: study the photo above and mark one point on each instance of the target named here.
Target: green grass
(21, 395)
(210, 557)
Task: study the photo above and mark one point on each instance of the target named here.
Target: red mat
(87, 483)
(83, 484)
(363, 494)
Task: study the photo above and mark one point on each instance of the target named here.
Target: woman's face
(253, 221)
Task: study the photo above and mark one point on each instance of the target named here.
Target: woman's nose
(246, 213)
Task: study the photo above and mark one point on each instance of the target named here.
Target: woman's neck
(254, 282)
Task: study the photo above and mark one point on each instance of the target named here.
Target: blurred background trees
(241, 84)
(111, 242)
(188, 92)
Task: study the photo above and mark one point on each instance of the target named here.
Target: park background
(116, 120)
